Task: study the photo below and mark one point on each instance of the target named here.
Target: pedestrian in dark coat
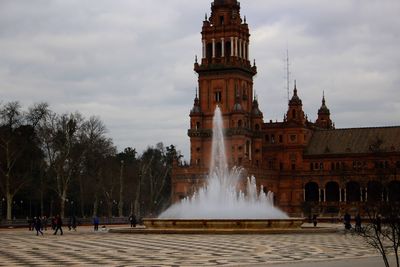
(38, 225)
(59, 224)
(314, 219)
(96, 223)
(132, 220)
(347, 219)
(358, 223)
(378, 223)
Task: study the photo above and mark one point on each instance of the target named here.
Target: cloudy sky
(131, 62)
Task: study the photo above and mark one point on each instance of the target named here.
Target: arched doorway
(311, 191)
(374, 190)
(353, 192)
(394, 191)
(332, 191)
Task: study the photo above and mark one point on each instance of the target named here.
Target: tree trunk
(62, 204)
(121, 191)
(137, 198)
(95, 206)
(9, 198)
(109, 208)
(41, 197)
(81, 195)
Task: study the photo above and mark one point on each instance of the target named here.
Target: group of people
(347, 222)
(40, 224)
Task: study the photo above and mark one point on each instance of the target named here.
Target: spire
(196, 105)
(295, 98)
(323, 109)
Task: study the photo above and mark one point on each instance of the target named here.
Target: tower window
(197, 125)
(221, 20)
(240, 123)
(257, 127)
(218, 96)
(280, 138)
(294, 113)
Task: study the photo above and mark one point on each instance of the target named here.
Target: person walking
(58, 225)
(314, 219)
(96, 223)
(44, 223)
(37, 224)
(378, 223)
(358, 223)
(132, 220)
(347, 219)
(73, 223)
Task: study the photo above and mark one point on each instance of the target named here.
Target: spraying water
(220, 198)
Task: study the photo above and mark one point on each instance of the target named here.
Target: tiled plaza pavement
(84, 247)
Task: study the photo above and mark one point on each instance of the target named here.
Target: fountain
(220, 198)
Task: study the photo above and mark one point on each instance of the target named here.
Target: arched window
(311, 191)
(209, 51)
(257, 127)
(294, 113)
(228, 50)
(218, 50)
(332, 191)
(197, 125)
(240, 123)
(353, 191)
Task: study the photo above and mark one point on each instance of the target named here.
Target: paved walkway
(85, 247)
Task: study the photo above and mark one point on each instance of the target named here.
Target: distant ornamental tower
(324, 120)
(225, 79)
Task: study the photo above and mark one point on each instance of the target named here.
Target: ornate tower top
(295, 112)
(295, 101)
(323, 110)
(324, 120)
(225, 38)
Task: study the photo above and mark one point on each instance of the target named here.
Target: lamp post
(22, 208)
(1, 207)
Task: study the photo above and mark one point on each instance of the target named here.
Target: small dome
(323, 110)
(295, 101)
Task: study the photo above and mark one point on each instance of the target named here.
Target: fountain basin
(220, 226)
(223, 223)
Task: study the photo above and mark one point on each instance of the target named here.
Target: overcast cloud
(131, 62)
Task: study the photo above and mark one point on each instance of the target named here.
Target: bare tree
(17, 141)
(97, 148)
(382, 231)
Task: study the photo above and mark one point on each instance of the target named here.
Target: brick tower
(225, 78)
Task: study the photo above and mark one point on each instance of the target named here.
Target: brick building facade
(310, 166)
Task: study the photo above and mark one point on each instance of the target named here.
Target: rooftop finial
(196, 91)
(205, 17)
(254, 63)
(195, 59)
(244, 19)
